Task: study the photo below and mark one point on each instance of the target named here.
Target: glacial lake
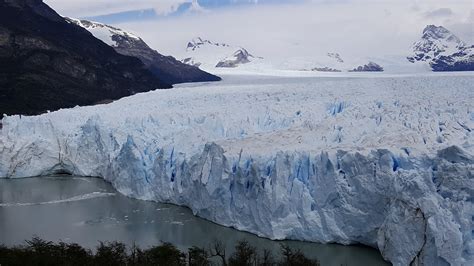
(89, 210)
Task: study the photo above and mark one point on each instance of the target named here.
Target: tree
(244, 255)
(198, 257)
(137, 256)
(218, 250)
(267, 258)
(111, 253)
(295, 258)
(166, 255)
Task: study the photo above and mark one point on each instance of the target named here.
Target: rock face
(240, 57)
(166, 68)
(47, 63)
(389, 165)
(370, 67)
(443, 50)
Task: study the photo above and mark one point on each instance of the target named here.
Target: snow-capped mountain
(47, 63)
(443, 50)
(240, 57)
(167, 68)
(210, 55)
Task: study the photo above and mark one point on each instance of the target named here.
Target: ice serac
(443, 50)
(283, 161)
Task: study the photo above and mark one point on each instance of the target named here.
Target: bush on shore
(40, 252)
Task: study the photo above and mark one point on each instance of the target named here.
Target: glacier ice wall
(383, 162)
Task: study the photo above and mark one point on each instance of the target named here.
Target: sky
(280, 28)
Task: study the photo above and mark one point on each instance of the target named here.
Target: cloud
(353, 28)
(464, 28)
(290, 28)
(89, 8)
(440, 12)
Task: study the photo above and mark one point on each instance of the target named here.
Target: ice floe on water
(87, 196)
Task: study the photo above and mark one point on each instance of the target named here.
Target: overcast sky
(286, 27)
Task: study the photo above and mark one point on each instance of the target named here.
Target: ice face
(385, 162)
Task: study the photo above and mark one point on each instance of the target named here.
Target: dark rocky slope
(47, 63)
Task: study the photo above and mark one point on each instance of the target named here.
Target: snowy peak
(432, 32)
(198, 42)
(103, 32)
(435, 41)
(240, 57)
(443, 50)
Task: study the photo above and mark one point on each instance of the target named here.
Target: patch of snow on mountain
(103, 32)
(336, 56)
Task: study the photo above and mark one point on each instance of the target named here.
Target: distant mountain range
(166, 68)
(212, 56)
(443, 50)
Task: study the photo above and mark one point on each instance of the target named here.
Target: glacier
(385, 161)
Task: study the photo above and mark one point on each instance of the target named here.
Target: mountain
(210, 55)
(47, 63)
(331, 62)
(370, 67)
(166, 68)
(443, 50)
(239, 57)
(334, 62)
